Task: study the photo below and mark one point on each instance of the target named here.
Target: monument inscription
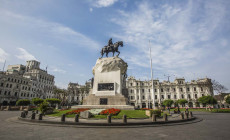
(103, 101)
(105, 86)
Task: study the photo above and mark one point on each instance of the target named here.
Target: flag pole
(153, 95)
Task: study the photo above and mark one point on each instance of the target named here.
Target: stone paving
(213, 126)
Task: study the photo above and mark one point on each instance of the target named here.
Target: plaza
(213, 126)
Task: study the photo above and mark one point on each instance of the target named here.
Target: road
(214, 126)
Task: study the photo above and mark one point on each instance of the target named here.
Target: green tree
(37, 101)
(43, 107)
(168, 103)
(207, 100)
(23, 102)
(53, 101)
(228, 99)
(182, 102)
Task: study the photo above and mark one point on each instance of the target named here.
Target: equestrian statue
(111, 48)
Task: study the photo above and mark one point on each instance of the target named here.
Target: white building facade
(25, 82)
(140, 92)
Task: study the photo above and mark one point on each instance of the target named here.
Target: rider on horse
(110, 42)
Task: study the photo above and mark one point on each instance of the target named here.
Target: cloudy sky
(189, 39)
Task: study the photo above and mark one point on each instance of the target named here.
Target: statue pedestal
(109, 85)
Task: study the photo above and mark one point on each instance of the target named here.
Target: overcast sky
(189, 39)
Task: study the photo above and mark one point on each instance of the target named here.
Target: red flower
(77, 111)
(111, 111)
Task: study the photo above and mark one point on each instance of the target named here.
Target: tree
(168, 103)
(23, 102)
(43, 107)
(227, 99)
(53, 101)
(37, 101)
(217, 87)
(207, 100)
(182, 102)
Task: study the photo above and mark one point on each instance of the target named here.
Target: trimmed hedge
(37, 101)
(53, 101)
(23, 102)
(156, 111)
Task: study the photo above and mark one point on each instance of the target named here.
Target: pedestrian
(186, 108)
(178, 108)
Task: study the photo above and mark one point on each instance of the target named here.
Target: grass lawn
(129, 113)
(58, 113)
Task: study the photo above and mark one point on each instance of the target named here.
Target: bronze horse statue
(112, 48)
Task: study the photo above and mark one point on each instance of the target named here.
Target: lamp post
(153, 95)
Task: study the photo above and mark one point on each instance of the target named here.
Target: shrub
(110, 111)
(168, 103)
(207, 100)
(77, 111)
(37, 101)
(53, 101)
(227, 99)
(182, 102)
(44, 107)
(156, 111)
(23, 102)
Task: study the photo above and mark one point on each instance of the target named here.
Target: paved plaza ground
(214, 126)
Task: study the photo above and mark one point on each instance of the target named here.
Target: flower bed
(111, 111)
(77, 111)
(96, 111)
(145, 108)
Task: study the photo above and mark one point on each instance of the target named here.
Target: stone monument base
(122, 107)
(104, 102)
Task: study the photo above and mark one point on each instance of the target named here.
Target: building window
(189, 96)
(155, 90)
(9, 93)
(143, 97)
(169, 96)
(15, 94)
(168, 89)
(162, 90)
(143, 90)
(131, 91)
(131, 84)
(137, 84)
(174, 89)
(149, 90)
(131, 97)
(7, 85)
(182, 96)
(201, 89)
(188, 89)
(2, 84)
(181, 89)
(155, 96)
(0, 92)
(194, 88)
(162, 96)
(174, 96)
(5, 93)
(137, 97)
(202, 95)
(196, 96)
(142, 84)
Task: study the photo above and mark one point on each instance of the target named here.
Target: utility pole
(153, 95)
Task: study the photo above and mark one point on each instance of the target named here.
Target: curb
(111, 125)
